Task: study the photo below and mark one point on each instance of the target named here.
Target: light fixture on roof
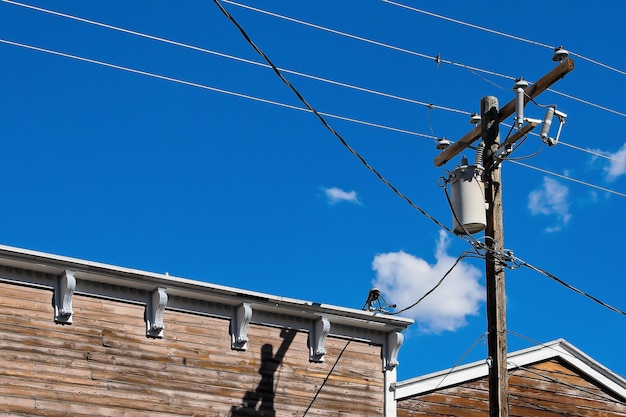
(560, 54)
(375, 297)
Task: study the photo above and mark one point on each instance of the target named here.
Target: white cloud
(615, 169)
(551, 199)
(404, 278)
(336, 195)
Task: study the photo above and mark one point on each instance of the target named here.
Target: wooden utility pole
(489, 129)
(494, 268)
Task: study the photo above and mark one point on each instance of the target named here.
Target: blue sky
(202, 167)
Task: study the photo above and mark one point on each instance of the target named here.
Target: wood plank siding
(104, 365)
(549, 388)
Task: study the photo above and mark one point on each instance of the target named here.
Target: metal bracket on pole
(531, 92)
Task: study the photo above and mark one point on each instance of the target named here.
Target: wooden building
(80, 338)
(553, 380)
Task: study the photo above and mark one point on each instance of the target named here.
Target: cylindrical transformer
(468, 200)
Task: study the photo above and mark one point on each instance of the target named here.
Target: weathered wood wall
(545, 389)
(103, 365)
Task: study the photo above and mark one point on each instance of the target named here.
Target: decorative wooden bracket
(239, 327)
(392, 347)
(155, 308)
(63, 298)
(317, 339)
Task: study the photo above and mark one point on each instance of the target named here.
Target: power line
(568, 286)
(427, 293)
(215, 89)
(233, 57)
(438, 59)
(503, 34)
(588, 103)
(321, 118)
(430, 106)
(565, 177)
(594, 153)
(292, 107)
(578, 148)
(289, 106)
(460, 22)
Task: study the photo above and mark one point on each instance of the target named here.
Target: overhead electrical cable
(214, 89)
(594, 153)
(233, 57)
(284, 105)
(568, 286)
(499, 33)
(598, 154)
(321, 118)
(565, 177)
(430, 106)
(438, 59)
(588, 103)
(429, 292)
(396, 191)
(482, 337)
(460, 22)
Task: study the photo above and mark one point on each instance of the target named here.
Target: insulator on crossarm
(478, 162)
(547, 123)
(519, 87)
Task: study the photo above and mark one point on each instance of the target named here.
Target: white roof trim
(558, 348)
(133, 278)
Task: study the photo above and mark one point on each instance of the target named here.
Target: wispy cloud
(404, 278)
(614, 168)
(551, 200)
(336, 195)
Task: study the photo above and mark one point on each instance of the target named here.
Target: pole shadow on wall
(260, 402)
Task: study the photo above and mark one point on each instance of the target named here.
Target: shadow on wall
(260, 402)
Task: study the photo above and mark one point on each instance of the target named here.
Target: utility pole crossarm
(530, 93)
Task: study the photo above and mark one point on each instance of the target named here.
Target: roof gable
(558, 349)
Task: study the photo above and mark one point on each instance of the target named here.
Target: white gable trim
(556, 349)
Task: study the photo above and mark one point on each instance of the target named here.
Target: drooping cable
(456, 262)
(321, 118)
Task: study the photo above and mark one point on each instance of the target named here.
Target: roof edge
(559, 348)
(143, 280)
